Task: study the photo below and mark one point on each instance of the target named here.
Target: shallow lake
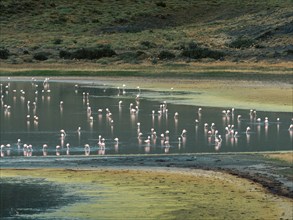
(22, 197)
(41, 117)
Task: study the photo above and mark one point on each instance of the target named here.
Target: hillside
(138, 31)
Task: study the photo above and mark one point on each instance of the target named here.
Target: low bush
(88, 53)
(199, 53)
(164, 55)
(289, 52)
(192, 45)
(65, 54)
(41, 56)
(148, 44)
(161, 4)
(132, 57)
(4, 53)
(57, 41)
(241, 42)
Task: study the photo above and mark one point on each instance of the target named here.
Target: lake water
(21, 197)
(37, 111)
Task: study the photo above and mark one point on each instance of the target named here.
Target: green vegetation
(4, 53)
(41, 56)
(139, 31)
(128, 194)
(88, 53)
(241, 42)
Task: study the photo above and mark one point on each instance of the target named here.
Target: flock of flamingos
(213, 135)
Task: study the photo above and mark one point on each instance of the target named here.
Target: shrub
(4, 53)
(198, 53)
(192, 45)
(289, 52)
(65, 54)
(148, 44)
(132, 57)
(92, 53)
(241, 42)
(154, 61)
(88, 53)
(164, 55)
(161, 4)
(57, 41)
(41, 56)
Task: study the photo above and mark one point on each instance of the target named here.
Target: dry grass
(157, 194)
(260, 67)
(281, 156)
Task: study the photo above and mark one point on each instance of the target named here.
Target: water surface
(37, 112)
(21, 197)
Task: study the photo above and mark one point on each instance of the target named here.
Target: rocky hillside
(137, 31)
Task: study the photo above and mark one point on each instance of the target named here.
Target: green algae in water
(23, 197)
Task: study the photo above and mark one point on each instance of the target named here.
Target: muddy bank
(156, 192)
(275, 175)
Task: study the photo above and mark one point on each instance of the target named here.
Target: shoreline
(259, 168)
(268, 96)
(249, 190)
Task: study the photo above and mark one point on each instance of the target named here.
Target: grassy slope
(35, 25)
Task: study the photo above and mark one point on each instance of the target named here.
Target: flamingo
(148, 140)
(176, 115)
(87, 146)
(248, 130)
(63, 133)
(123, 89)
(102, 144)
(30, 148)
(183, 132)
(139, 135)
(87, 149)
